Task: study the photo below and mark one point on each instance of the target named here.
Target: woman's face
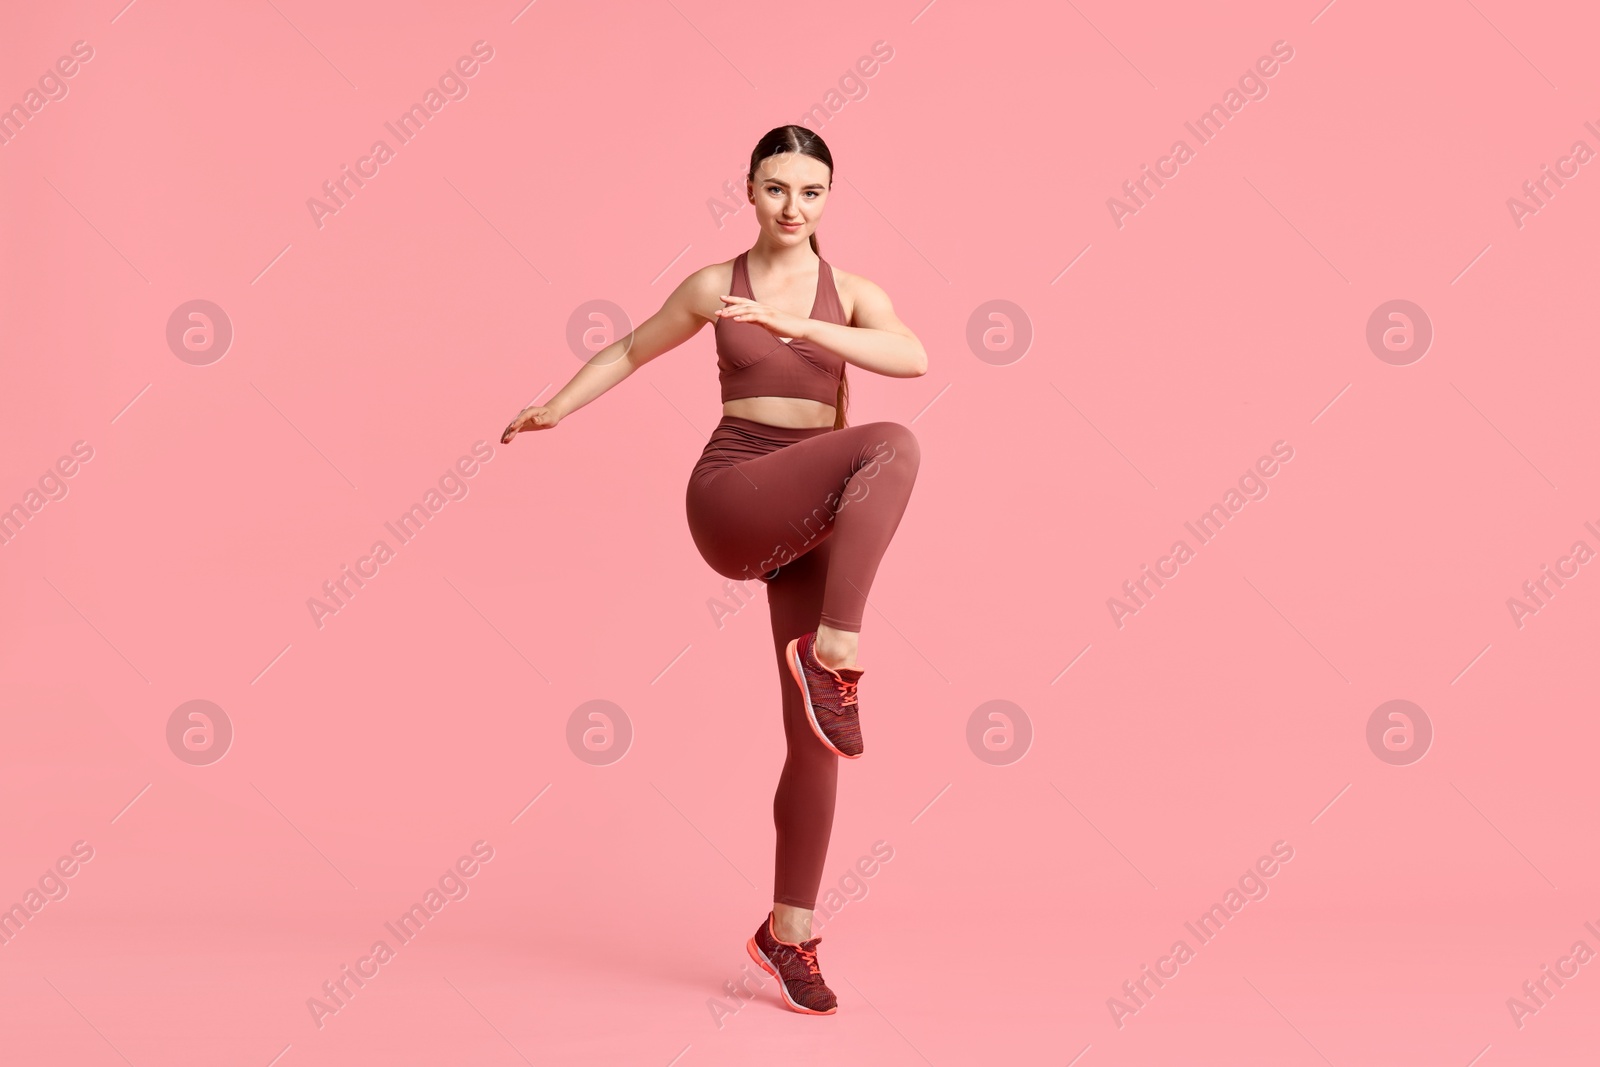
(789, 193)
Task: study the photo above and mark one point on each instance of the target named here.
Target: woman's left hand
(778, 323)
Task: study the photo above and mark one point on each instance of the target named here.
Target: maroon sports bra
(751, 361)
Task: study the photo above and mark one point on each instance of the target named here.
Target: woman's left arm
(878, 341)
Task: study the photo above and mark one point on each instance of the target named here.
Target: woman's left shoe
(829, 695)
(794, 965)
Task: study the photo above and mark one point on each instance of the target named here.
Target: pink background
(1230, 713)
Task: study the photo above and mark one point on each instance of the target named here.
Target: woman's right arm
(678, 320)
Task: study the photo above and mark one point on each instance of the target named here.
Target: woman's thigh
(756, 515)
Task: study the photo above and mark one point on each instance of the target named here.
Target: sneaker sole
(783, 990)
(797, 672)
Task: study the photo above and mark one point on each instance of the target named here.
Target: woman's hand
(536, 417)
(778, 323)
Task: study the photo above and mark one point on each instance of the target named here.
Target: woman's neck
(783, 258)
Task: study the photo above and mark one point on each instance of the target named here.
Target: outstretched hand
(534, 417)
(769, 318)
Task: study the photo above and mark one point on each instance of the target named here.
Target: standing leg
(802, 807)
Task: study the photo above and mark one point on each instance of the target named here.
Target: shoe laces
(808, 956)
(847, 693)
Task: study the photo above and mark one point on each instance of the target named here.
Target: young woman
(786, 493)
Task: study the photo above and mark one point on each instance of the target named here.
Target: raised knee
(899, 437)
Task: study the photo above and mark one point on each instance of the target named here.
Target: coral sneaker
(830, 697)
(795, 966)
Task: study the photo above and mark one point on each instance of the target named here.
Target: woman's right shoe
(794, 965)
(829, 695)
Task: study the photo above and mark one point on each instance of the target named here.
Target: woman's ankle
(790, 923)
(835, 648)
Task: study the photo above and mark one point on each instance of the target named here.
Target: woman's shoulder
(706, 287)
(718, 276)
(853, 289)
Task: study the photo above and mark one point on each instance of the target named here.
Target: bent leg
(850, 486)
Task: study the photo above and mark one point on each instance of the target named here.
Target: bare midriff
(792, 412)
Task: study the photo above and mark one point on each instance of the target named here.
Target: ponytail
(843, 399)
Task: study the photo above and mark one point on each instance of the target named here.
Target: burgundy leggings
(810, 512)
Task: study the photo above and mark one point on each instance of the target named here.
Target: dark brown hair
(807, 143)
